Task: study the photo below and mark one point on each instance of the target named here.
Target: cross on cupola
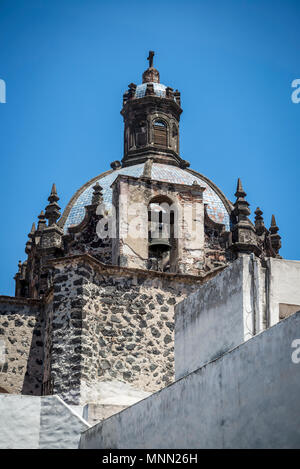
(150, 58)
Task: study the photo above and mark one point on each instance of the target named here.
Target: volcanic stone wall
(48, 315)
(112, 323)
(21, 345)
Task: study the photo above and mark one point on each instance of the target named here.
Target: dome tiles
(215, 206)
(159, 90)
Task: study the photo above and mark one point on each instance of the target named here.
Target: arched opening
(175, 137)
(141, 133)
(160, 133)
(161, 234)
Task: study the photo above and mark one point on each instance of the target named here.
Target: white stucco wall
(284, 285)
(33, 422)
(106, 398)
(212, 320)
(19, 421)
(248, 398)
(238, 303)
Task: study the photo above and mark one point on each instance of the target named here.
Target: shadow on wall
(33, 378)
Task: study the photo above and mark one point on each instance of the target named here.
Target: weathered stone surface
(22, 324)
(110, 328)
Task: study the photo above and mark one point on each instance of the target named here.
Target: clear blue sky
(66, 64)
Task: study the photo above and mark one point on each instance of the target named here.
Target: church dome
(159, 90)
(218, 207)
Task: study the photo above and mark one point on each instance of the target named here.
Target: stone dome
(218, 206)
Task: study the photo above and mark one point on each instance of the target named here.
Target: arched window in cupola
(160, 131)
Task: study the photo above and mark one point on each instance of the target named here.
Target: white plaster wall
(248, 398)
(33, 422)
(210, 321)
(106, 398)
(19, 421)
(60, 426)
(238, 303)
(284, 285)
(112, 392)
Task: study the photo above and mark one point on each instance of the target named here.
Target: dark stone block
(18, 323)
(59, 297)
(109, 333)
(136, 368)
(160, 299)
(78, 303)
(76, 340)
(130, 346)
(79, 281)
(83, 273)
(76, 314)
(155, 332)
(171, 301)
(61, 278)
(167, 339)
(170, 325)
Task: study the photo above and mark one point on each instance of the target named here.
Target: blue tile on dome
(77, 212)
(159, 90)
(215, 207)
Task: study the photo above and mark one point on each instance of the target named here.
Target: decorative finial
(54, 191)
(239, 189)
(241, 206)
(28, 246)
(42, 221)
(245, 239)
(150, 58)
(275, 237)
(274, 227)
(52, 209)
(32, 231)
(259, 222)
(115, 165)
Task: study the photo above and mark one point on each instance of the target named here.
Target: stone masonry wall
(48, 314)
(112, 324)
(129, 330)
(21, 343)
